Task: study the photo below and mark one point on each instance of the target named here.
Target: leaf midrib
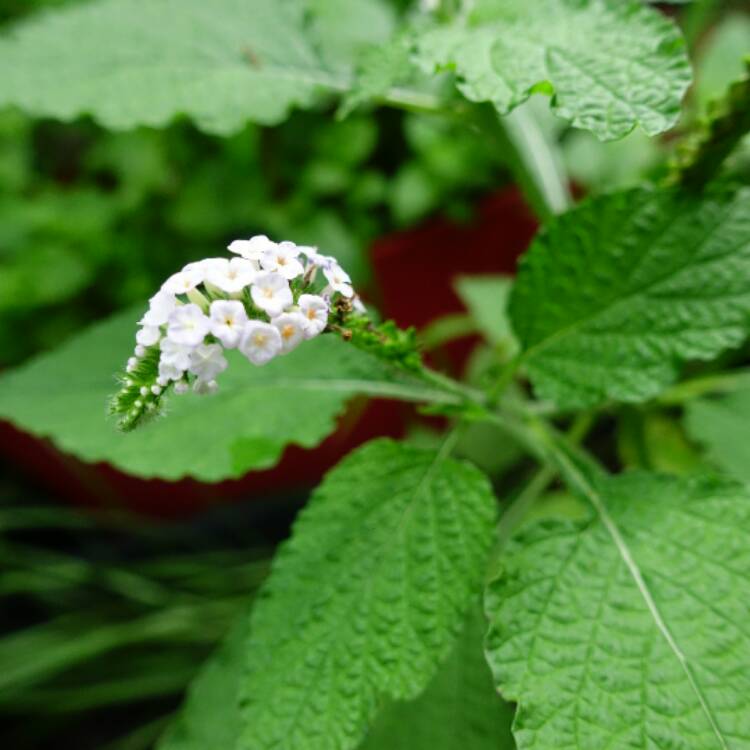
(597, 501)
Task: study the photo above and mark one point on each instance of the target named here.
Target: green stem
(539, 437)
(542, 479)
(722, 382)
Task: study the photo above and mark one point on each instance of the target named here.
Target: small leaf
(722, 427)
(610, 64)
(629, 630)
(617, 292)
(246, 425)
(143, 62)
(367, 598)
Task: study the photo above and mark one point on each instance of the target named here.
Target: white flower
(205, 387)
(175, 354)
(253, 248)
(283, 259)
(271, 292)
(183, 281)
(314, 310)
(203, 265)
(323, 261)
(148, 335)
(291, 327)
(169, 371)
(228, 318)
(188, 325)
(207, 361)
(160, 307)
(308, 252)
(261, 342)
(339, 279)
(231, 276)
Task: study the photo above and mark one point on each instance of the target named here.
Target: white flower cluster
(264, 302)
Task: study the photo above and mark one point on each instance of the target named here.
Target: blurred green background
(104, 619)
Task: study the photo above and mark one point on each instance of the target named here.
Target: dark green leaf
(616, 293)
(367, 597)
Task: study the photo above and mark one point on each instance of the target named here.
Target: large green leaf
(629, 630)
(722, 427)
(367, 597)
(616, 293)
(222, 63)
(256, 413)
(459, 710)
(610, 64)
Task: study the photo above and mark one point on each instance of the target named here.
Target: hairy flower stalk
(264, 302)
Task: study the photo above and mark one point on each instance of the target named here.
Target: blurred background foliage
(105, 619)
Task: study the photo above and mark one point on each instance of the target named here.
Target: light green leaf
(486, 298)
(629, 630)
(256, 413)
(142, 62)
(459, 710)
(722, 427)
(343, 28)
(367, 597)
(379, 68)
(610, 64)
(616, 293)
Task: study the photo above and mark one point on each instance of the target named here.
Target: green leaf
(610, 64)
(629, 630)
(722, 427)
(459, 710)
(617, 292)
(257, 412)
(142, 62)
(378, 69)
(367, 597)
(486, 298)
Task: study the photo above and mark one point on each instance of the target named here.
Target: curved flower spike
(264, 303)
